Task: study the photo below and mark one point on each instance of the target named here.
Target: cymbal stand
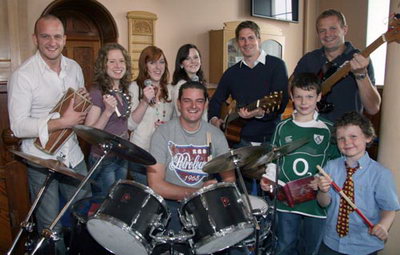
(236, 160)
(47, 233)
(26, 225)
(273, 225)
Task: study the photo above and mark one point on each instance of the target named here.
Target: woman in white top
(151, 102)
(187, 68)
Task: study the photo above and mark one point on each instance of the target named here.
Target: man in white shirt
(33, 91)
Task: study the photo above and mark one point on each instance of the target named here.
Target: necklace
(163, 112)
(124, 100)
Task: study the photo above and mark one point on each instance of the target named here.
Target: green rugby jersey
(302, 162)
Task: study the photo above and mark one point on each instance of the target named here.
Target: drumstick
(209, 158)
(116, 109)
(117, 112)
(338, 189)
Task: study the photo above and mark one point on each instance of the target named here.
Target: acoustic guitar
(233, 123)
(393, 34)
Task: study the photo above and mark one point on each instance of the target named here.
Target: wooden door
(85, 53)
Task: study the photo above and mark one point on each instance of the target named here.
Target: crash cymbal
(52, 164)
(120, 146)
(252, 169)
(244, 155)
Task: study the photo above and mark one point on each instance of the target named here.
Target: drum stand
(172, 239)
(47, 233)
(235, 160)
(26, 225)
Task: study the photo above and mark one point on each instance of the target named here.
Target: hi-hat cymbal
(243, 155)
(120, 146)
(52, 164)
(252, 169)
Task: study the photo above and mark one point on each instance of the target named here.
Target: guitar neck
(345, 69)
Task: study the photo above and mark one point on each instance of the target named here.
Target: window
(378, 11)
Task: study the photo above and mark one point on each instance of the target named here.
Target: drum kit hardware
(255, 169)
(133, 218)
(54, 166)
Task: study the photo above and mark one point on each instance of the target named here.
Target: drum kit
(133, 219)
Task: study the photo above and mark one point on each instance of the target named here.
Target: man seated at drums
(33, 91)
(182, 147)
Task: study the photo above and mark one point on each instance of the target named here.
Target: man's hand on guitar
(216, 121)
(359, 64)
(245, 114)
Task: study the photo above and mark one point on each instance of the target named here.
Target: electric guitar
(393, 34)
(233, 123)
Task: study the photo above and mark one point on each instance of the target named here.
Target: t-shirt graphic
(188, 161)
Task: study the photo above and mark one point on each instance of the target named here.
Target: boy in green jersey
(300, 228)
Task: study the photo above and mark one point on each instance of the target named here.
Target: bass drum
(81, 241)
(218, 216)
(127, 217)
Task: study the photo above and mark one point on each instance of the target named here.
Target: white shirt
(260, 59)
(143, 131)
(33, 91)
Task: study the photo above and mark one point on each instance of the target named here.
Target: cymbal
(52, 164)
(120, 146)
(244, 155)
(252, 169)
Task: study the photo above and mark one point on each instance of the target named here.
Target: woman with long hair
(110, 112)
(187, 68)
(151, 102)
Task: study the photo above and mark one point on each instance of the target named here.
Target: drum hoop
(148, 190)
(123, 226)
(208, 188)
(223, 232)
(258, 211)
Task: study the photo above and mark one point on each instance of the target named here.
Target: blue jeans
(325, 250)
(110, 170)
(138, 172)
(299, 234)
(49, 205)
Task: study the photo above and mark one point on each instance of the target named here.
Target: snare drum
(127, 217)
(218, 216)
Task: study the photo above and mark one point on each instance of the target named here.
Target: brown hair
(330, 13)
(306, 81)
(100, 69)
(356, 119)
(152, 53)
(247, 24)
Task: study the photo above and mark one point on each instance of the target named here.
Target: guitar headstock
(271, 102)
(393, 33)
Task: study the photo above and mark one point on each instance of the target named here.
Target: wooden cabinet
(224, 51)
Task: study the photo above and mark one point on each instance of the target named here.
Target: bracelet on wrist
(360, 76)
